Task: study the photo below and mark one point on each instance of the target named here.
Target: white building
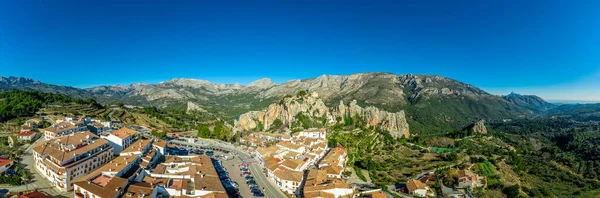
(288, 181)
(313, 133)
(64, 159)
(120, 139)
(62, 128)
(26, 135)
(418, 189)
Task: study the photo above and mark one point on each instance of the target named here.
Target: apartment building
(189, 176)
(64, 159)
(122, 176)
(63, 128)
(110, 180)
(120, 139)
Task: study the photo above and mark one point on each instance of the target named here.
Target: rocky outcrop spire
(479, 127)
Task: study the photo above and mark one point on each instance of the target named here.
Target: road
(271, 190)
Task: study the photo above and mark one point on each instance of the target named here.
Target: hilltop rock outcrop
(479, 127)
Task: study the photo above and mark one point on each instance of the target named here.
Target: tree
(301, 93)
(203, 130)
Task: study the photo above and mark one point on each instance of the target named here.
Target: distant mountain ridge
(432, 104)
(529, 101)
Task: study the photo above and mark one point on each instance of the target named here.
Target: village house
(64, 159)
(25, 136)
(418, 189)
(467, 179)
(318, 184)
(287, 180)
(5, 164)
(34, 123)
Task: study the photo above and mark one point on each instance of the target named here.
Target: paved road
(271, 190)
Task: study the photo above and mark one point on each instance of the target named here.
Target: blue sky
(548, 48)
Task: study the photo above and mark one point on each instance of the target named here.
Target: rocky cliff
(312, 106)
(394, 123)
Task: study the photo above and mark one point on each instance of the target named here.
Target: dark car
(259, 194)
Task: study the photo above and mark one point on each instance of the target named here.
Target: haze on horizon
(547, 49)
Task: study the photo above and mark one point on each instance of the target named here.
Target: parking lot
(235, 177)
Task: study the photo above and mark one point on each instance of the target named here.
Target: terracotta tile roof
(137, 146)
(467, 175)
(288, 144)
(333, 170)
(111, 189)
(293, 163)
(155, 181)
(77, 141)
(318, 194)
(414, 184)
(289, 175)
(4, 161)
(26, 133)
(317, 180)
(378, 195)
(34, 194)
(208, 182)
(266, 151)
(271, 163)
(123, 133)
(138, 189)
(97, 124)
(63, 126)
(161, 143)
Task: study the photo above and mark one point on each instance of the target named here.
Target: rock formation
(479, 127)
(394, 123)
(313, 106)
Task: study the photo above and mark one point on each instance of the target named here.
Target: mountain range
(432, 104)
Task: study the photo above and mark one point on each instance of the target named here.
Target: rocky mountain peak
(12, 80)
(187, 82)
(262, 83)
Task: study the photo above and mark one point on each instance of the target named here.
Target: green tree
(203, 130)
(301, 93)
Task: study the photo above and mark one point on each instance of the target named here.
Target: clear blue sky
(549, 48)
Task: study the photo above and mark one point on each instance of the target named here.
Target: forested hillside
(18, 103)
